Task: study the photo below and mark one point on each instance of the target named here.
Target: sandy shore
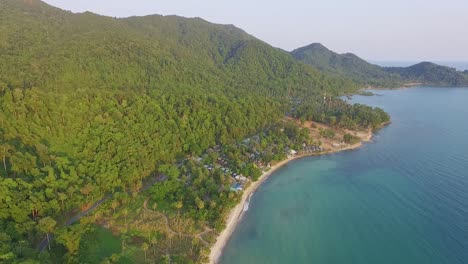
(236, 213)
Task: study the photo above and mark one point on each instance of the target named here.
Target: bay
(402, 198)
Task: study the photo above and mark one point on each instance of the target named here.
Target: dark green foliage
(57, 50)
(327, 133)
(348, 65)
(336, 112)
(85, 145)
(350, 139)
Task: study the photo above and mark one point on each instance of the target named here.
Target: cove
(402, 198)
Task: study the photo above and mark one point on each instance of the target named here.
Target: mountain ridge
(154, 45)
(361, 71)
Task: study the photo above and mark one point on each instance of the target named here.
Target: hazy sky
(409, 30)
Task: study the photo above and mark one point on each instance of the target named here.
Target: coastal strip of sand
(236, 213)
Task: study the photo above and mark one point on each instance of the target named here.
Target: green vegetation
(59, 51)
(367, 74)
(327, 133)
(350, 139)
(348, 65)
(94, 107)
(430, 73)
(337, 113)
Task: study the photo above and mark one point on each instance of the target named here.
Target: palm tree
(170, 235)
(125, 213)
(47, 225)
(114, 205)
(153, 242)
(5, 150)
(86, 190)
(193, 244)
(62, 197)
(178, 205)
(97, 216)
(145, 247)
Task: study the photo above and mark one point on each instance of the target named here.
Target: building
(236, 187)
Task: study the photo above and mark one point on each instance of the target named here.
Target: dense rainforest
(351, 66)
(92, 106)
(337, 113)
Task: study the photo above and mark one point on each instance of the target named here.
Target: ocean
(402, 198)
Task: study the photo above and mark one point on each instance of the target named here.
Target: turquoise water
(401, 199)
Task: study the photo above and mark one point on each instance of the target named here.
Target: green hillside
(348, 65)
(351, 66)
(52, 49)
(431, 73)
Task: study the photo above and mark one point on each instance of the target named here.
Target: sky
(378, 30)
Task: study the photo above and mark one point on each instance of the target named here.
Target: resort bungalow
(237, 187)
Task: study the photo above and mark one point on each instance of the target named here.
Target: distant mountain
(431, 73)
(348, 65)
(365, 73)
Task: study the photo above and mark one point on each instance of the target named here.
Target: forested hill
(359, 70)
(431, 73)
(348, 65)
(49, 48)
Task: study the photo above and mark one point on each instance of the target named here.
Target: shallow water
(401, 199)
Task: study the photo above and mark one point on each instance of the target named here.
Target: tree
(70, 237)
(5, 150)
(47, 225)
(145, 247)
(125, 214)
(62, 197)
(153, 242)
(200, 204)
(6, 247)
(114, 205)
(86, 190)
(178, 205)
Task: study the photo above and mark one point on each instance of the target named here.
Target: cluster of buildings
(311, 148)
(238, 180)
(250, 153)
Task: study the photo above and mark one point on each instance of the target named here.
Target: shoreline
(238, 211)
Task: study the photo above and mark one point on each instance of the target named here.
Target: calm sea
(401, 199)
